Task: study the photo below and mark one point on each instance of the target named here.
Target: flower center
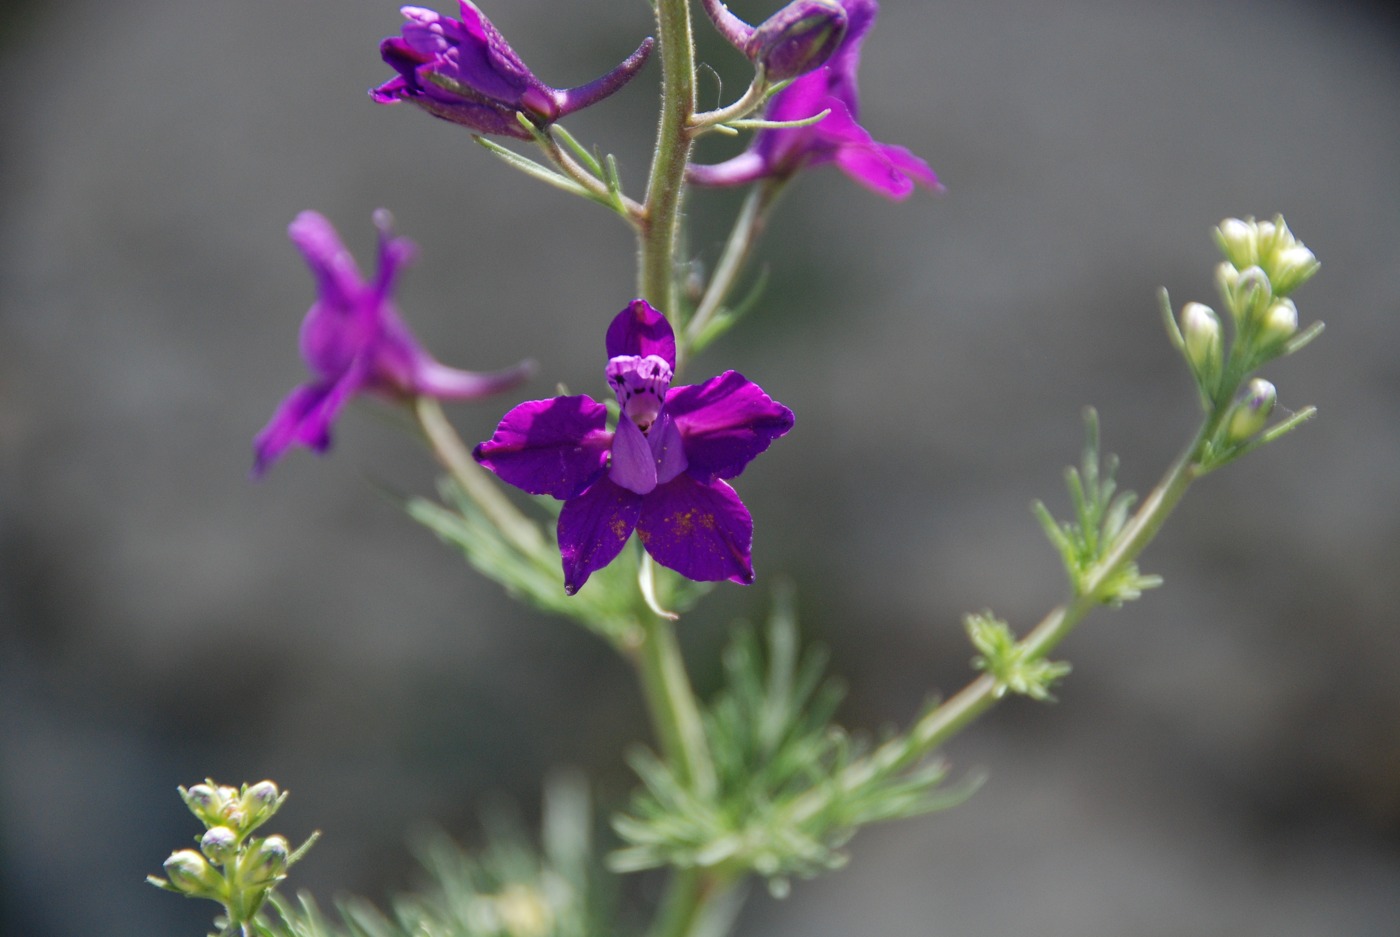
(641, 385)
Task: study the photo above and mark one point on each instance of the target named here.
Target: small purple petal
(593, 529)
(633, 465)
(552, 447)
(725, 422)
(668, 448)
(702, 531)
(640, 330)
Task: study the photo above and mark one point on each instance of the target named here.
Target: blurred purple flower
(669, 455)
(837, 138)
(465, 71)
(354, 342)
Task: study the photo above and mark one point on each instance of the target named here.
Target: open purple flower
(465, 71)
(837, 138)
(661, 473)
(355, 342)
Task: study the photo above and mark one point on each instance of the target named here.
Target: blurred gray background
(1225, 759)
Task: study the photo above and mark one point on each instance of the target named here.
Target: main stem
(674, 710)
(661, 215)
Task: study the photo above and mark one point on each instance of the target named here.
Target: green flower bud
(188, 872)
(265, 862)
(220, 844)
(1205, 349)
(1251, 411)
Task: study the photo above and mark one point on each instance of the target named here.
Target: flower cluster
(661, 472)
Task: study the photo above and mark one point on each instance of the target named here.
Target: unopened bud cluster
(231, 866)
(1264, 262)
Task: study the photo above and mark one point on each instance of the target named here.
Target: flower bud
(265, 862)
(1205, 350)
(1251, 411)
(220, 844)
(1278, 323)
(1293, 266)
(797, 39)
(204, 802)
(1244, 291)
(259, 803)
(188, 872)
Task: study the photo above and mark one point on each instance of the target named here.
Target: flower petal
(889, 170)
(702, 531)
(338, 279)
(640, 330)
(725, 422)
(304, 418)
(593, 529)
(549, 447)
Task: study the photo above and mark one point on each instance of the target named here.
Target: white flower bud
(1278, 324)
(1292, 266)
(1205, 349)
(1237, 242)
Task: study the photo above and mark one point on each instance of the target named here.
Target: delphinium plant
(635, 515)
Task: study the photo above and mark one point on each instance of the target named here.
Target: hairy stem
(661, 215)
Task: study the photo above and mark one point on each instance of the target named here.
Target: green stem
(675, 714)
(660, 224)
(454, 457)
(747, 228)
(691, 894)
(962, 709)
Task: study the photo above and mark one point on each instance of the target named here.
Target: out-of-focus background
(1225, 758)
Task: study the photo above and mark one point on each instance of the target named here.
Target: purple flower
(355, 342)
(465, 71)
(837, 138)
(671, 451)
